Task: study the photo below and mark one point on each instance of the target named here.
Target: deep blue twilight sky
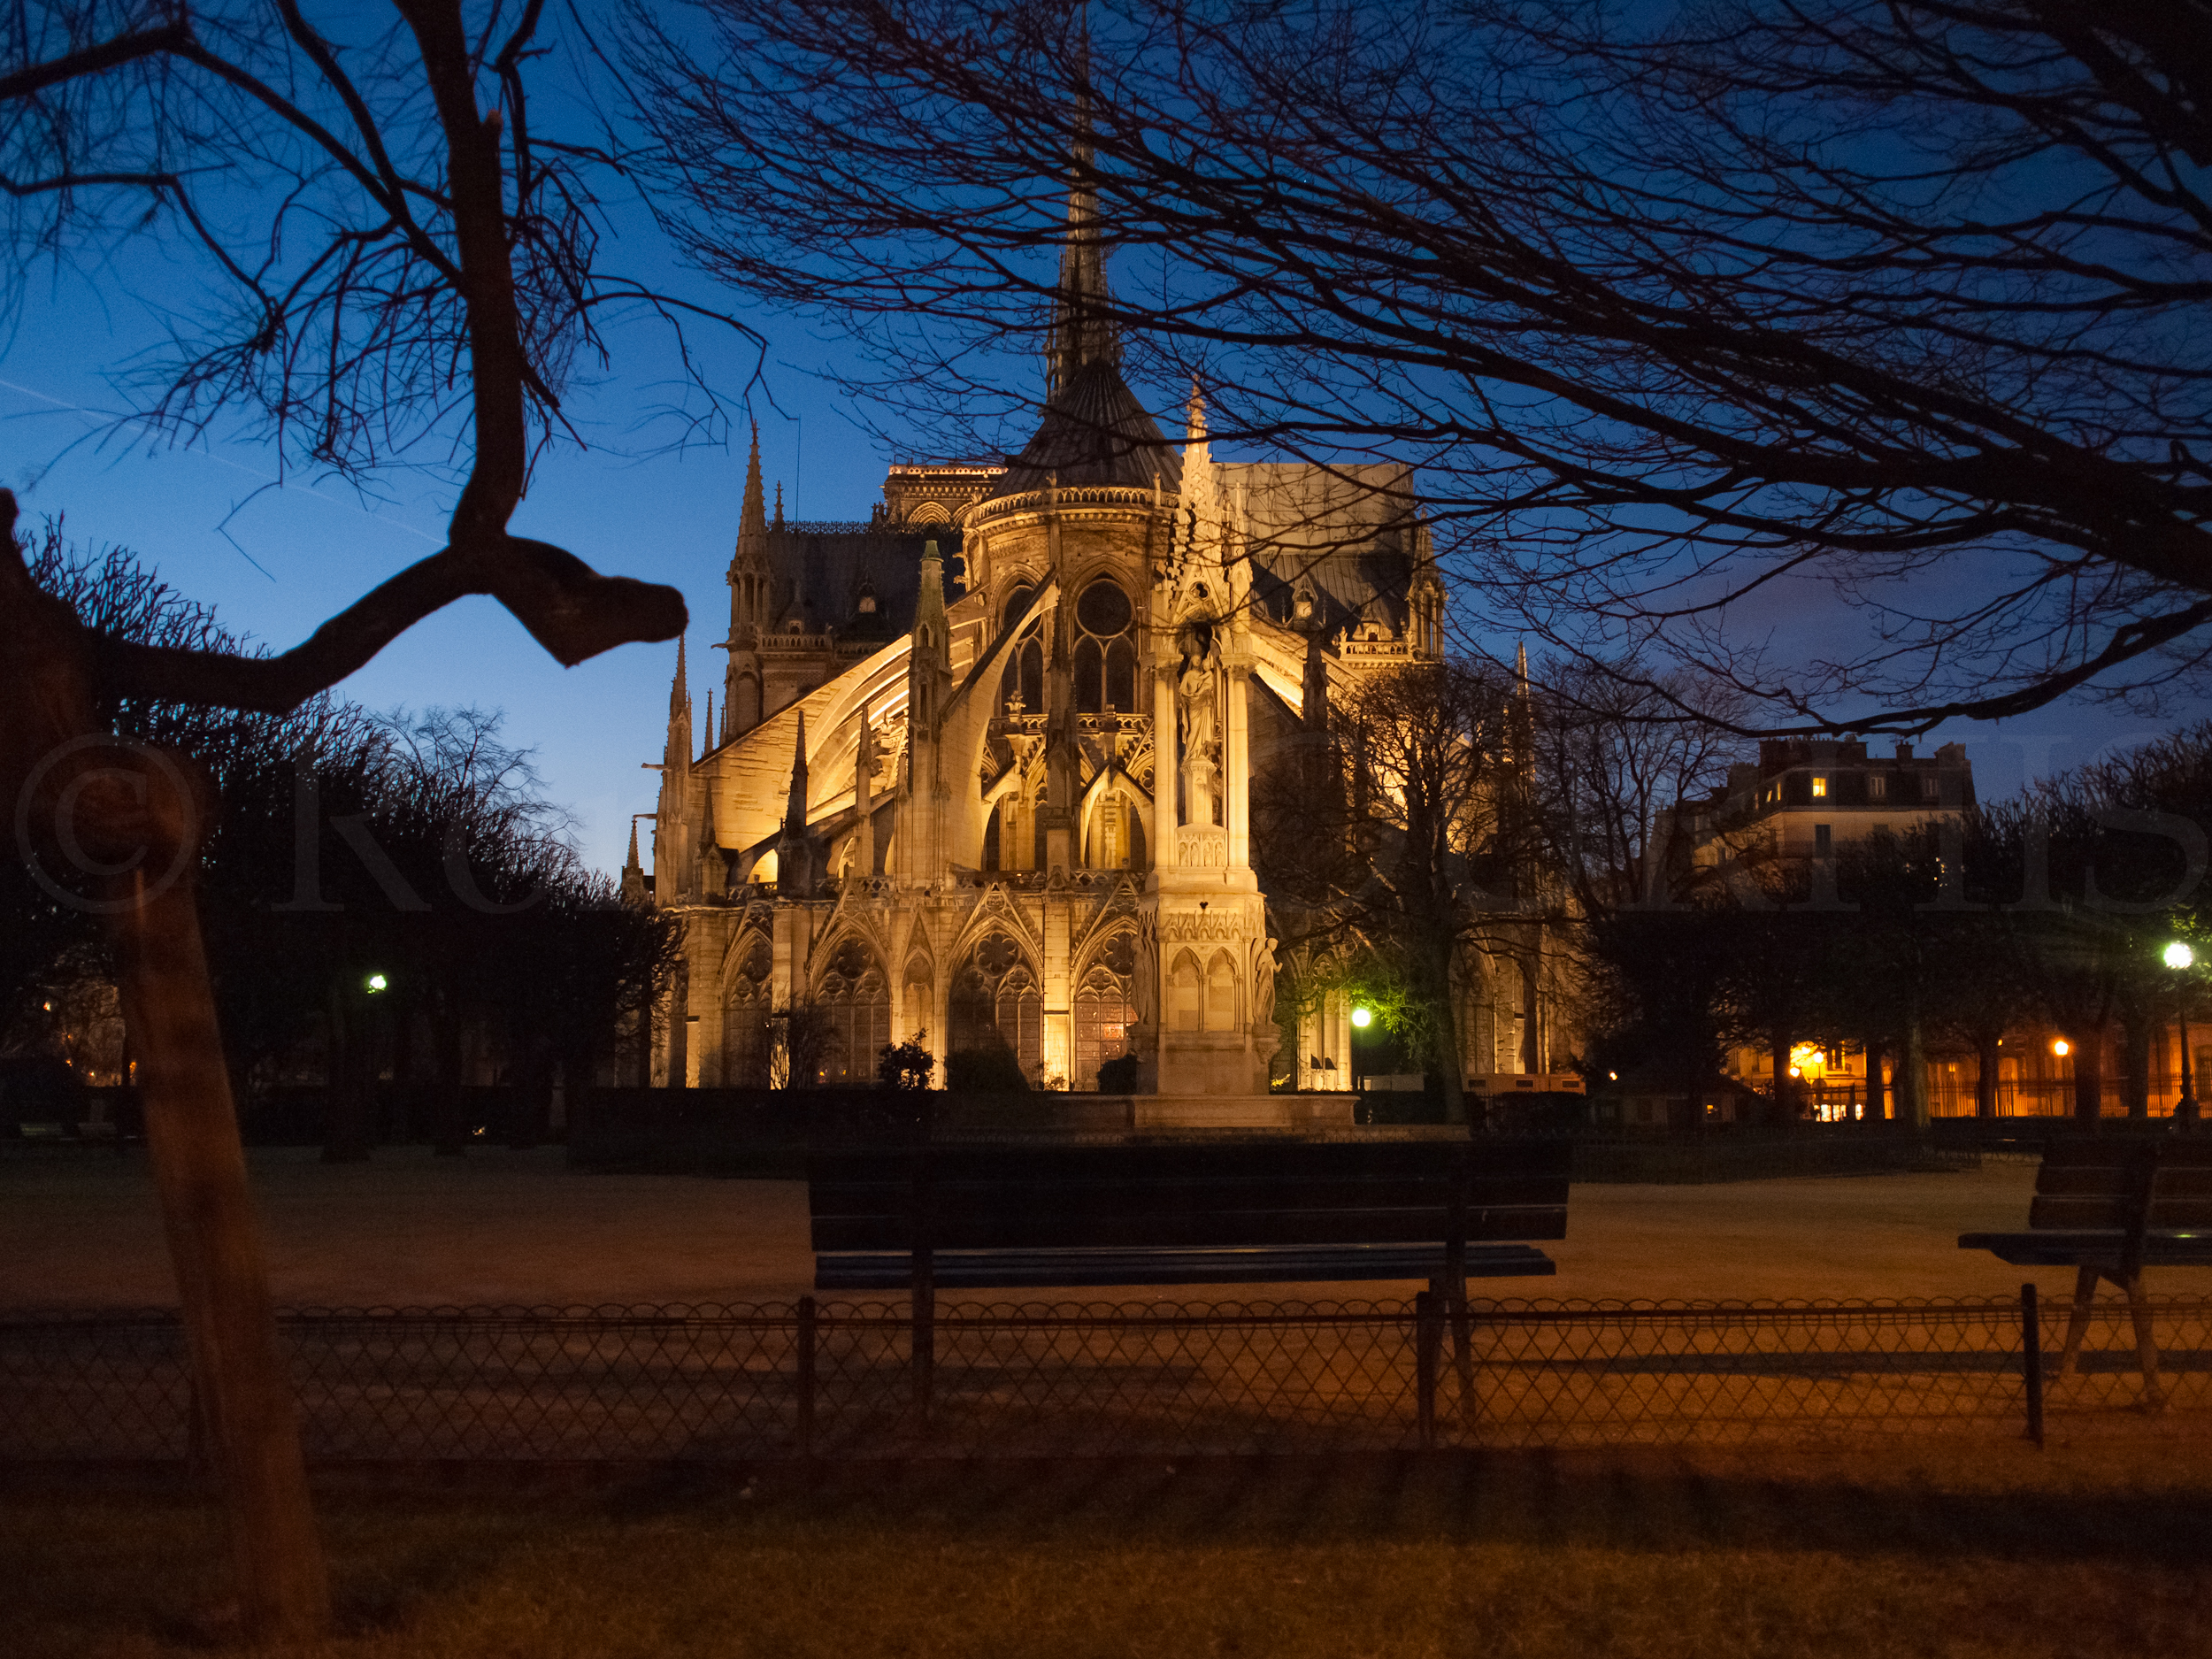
(276, 561)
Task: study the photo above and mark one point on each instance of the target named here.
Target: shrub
(905, 1064)
(1120, 1076)
(993, 1071)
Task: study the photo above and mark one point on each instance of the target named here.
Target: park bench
(1005, 1217)
(2108, 1207)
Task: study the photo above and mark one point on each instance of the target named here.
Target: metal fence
(852, 1379)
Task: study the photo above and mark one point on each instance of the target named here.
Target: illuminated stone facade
(983, 770)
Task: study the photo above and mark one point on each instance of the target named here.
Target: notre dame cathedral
(983, 765)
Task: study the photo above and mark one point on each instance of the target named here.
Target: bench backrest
(998, 1197)
(2115, 1182)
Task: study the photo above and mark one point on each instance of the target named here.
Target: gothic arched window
(1186, 995)
(1021, 688)
(1105, 651)
(1221, 992)
(745, 1008)
(1117, 836)
(996, 1003)
(853, 1001)
(1103, 1009)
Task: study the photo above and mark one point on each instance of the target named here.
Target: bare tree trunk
(1448, 1061)
(128, 814)
(1986, 1062)
(530, 1113)
(2137, 1027)
(2089, 1076)
(222, 1281)
(1912, 1080)
(346, 1132)
(449, 1127)
(1781, 1042)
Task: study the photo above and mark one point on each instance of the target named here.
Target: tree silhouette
(403, 266)
(1684, 322)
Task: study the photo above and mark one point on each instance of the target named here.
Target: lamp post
(2180, 959)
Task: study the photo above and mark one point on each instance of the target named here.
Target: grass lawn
(1892, 1548)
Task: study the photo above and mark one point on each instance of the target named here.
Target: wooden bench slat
(1011, 1216)
(1050, 1269)
(2117, 1151)
(1239, 1162)
(1119, 1196)
(2121, 1179)
(2165, 1212)
(984, 1229)
(2099, 1246)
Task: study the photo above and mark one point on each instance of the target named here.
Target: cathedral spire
(779, 503)
(753, 520)
(632, 871)
(676, 755)
(1521, 715)
(1082, 332)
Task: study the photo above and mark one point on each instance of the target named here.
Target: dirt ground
(500, 1227)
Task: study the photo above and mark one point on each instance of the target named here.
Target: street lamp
(377, 982)
(2180, 959)
(1362, 1017)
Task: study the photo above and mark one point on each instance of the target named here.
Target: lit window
(1877, 786)
(1820, 787)
(1930, 786)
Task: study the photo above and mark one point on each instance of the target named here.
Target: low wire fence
(835, 1380)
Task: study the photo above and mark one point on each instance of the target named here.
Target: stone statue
(1144, 977)
(1194, 700)
(1264, 984)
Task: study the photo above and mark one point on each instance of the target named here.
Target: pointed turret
(671, 848)
(1524, 714)
(752, 521)
(863, 793)
(632, 871)
(751, 580)
(794, 803)
(1198, 530)
(677, 752)
(932, 637)
(706, 728)
(1315, 713)
(915, 843)
(779, 503)
(714, 871)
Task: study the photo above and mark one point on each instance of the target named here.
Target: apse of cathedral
(984, 764)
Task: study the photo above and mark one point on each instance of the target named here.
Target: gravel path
(499, 1227)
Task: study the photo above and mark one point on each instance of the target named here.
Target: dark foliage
(992, 1071)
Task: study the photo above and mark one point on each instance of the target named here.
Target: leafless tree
(1402, 841)
(398, 264)
(1889, 303)
(1610, 756)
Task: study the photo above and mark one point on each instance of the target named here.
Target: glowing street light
(378, 982)
(2179, 957)
(1362, 1017)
